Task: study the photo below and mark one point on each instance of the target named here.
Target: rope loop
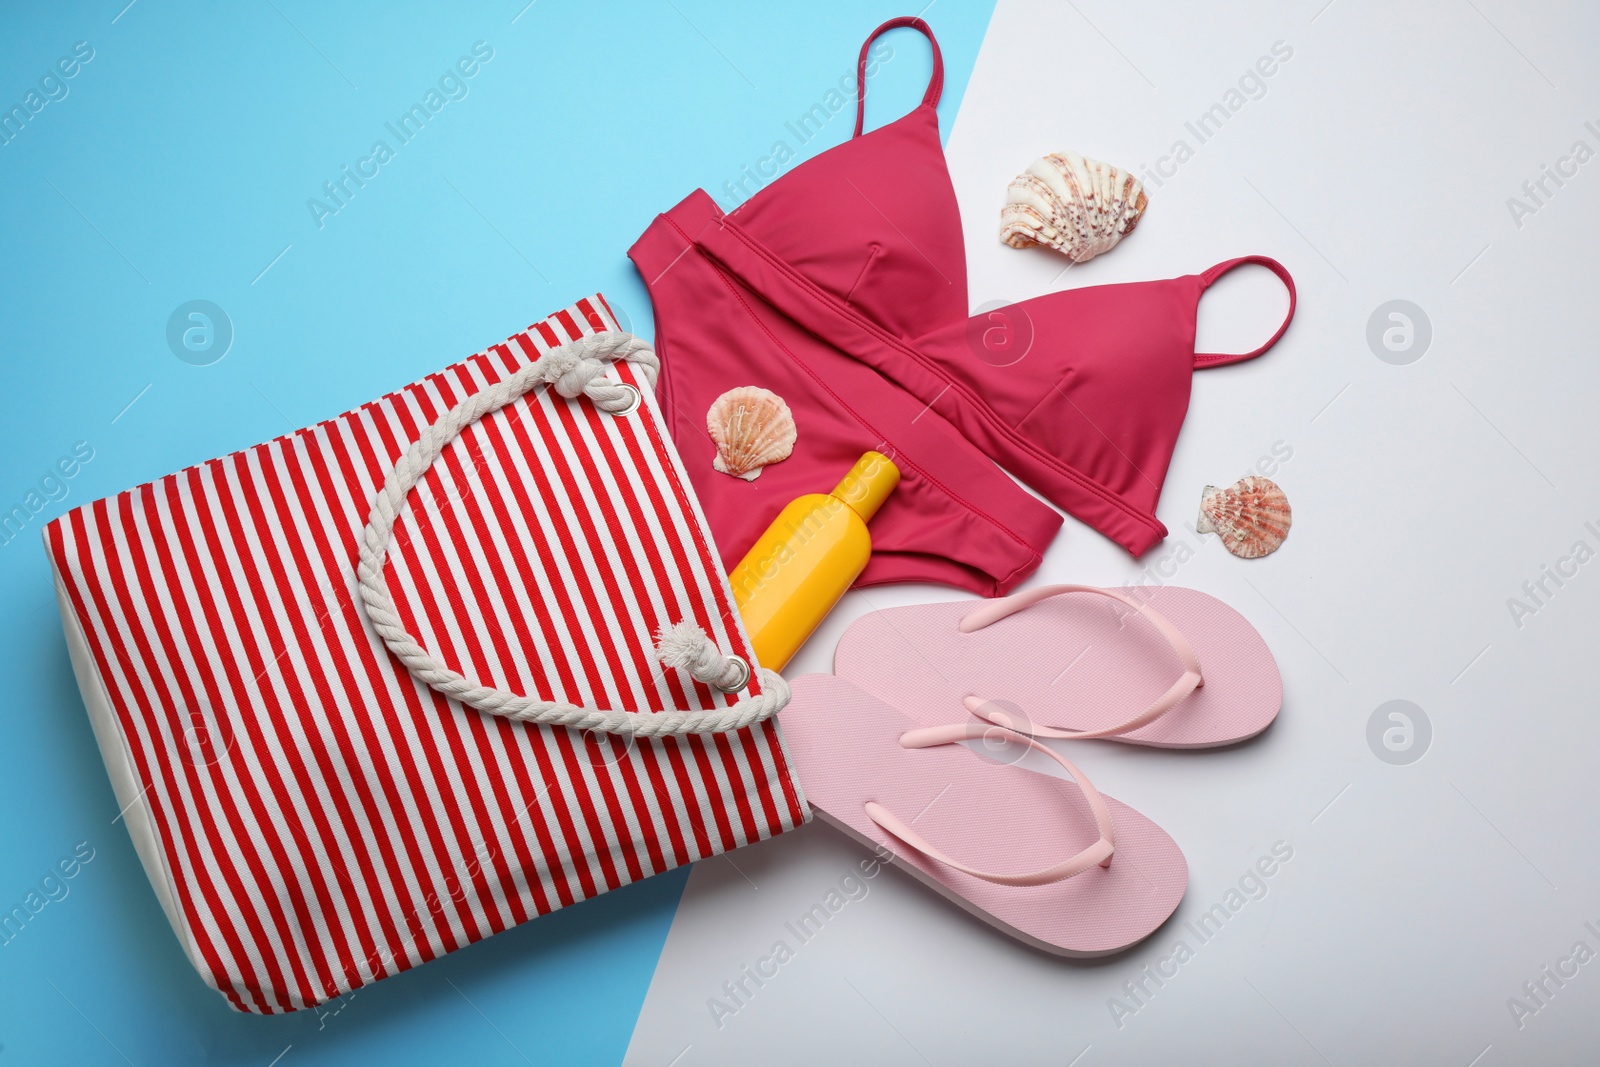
(577, 368)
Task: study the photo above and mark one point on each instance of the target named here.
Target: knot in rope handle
(577, 368)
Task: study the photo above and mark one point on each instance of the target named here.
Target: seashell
(752, 428)
(1081, 207)
(1251, 516)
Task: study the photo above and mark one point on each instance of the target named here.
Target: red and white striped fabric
(311, 816)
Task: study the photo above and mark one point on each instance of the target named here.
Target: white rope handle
(574, 369)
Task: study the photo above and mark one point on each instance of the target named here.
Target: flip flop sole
(845, 744)
(1075, 661)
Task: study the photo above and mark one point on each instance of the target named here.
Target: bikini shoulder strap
(1202, 360)
(935, 83)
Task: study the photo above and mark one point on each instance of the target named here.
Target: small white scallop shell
(1081, 207)
(1251, 516)
(752, 428)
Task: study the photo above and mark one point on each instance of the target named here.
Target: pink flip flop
(1049, 862)
(1166, 667)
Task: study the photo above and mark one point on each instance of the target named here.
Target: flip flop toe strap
(1187, 683)
(1098, 854)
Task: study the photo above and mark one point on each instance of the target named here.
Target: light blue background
(177, 168)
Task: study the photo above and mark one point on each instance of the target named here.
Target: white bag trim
(125, 784)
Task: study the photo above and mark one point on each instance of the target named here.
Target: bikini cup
(862, 246)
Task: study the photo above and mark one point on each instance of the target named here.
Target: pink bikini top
(862, 247)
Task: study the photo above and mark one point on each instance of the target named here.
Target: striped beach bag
(392, 683)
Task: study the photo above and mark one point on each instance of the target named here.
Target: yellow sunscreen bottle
(816, 547)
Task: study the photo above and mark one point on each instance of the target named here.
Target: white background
(1377, 166)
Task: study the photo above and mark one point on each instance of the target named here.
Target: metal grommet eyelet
(744, 675)
(633, 404)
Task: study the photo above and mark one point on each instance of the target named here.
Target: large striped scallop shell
(1081, 207)
(1251, 516)
(752, 428)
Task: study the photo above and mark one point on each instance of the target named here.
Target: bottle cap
(868, 484)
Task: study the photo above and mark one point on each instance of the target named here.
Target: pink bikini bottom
(956, 518)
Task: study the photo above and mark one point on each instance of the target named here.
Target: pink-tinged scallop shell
(1078, 206)
(1251, 516)
(752, 428)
